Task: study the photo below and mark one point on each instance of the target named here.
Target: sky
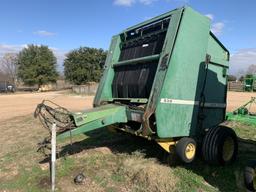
(64, 25)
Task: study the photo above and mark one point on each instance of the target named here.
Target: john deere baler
(164, 79)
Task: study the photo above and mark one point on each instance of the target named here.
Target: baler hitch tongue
(69, 124)
(96, 118)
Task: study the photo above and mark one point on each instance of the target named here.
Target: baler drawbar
(69, 124)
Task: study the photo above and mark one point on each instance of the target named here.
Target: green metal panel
(104, 91)
(96, 118)
(217, 50)
(216, 84)
(246, 119)
(250, 83)
(165, 15)
(188, 93)
(162, 68)
(176, 112)
(179, 80)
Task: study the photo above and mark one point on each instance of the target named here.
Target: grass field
(111, 162)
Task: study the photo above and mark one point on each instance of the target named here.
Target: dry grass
(121, 172)
(106, 168)
(111, 162)
(147, 174)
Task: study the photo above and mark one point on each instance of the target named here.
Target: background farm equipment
(245, 114)
(6, 87)
(165, 80)
(250, 83)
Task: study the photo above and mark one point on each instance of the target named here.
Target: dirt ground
(21, 104)
(110, 161)
(236, 99)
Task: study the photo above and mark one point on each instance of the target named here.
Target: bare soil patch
(110, 161)
(14, 105)
(236, 99)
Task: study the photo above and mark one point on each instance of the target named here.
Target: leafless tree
(8, 66)
(251, 70)
(240, 74)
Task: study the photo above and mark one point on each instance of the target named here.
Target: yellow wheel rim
(190, 151)
(228, 149)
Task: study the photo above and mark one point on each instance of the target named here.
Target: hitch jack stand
(53, 156)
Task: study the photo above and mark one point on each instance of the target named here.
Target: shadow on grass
(221, 178)
(226, 178)
(119, 142)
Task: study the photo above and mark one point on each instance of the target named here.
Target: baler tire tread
(215, 144)
(208, 139)
(212, 148)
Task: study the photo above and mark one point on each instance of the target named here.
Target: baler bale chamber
(166, 80)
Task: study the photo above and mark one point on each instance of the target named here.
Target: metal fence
(235, 86)
(239, 86)
(87, 89)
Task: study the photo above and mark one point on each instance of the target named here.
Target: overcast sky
(64, 25)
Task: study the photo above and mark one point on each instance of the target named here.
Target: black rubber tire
(181, 149)
(249, 176)
(212, 146)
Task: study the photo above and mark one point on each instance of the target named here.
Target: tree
(8, 66)
(231, 78)
(251, 70)
(241, 78)
(84, 65)
(37, 65)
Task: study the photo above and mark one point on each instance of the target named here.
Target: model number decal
(191, 102)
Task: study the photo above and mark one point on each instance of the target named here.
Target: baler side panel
(216, 84)
(104, 91)
(217, 50)
(176, 112)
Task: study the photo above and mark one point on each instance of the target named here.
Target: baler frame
(165, 80)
